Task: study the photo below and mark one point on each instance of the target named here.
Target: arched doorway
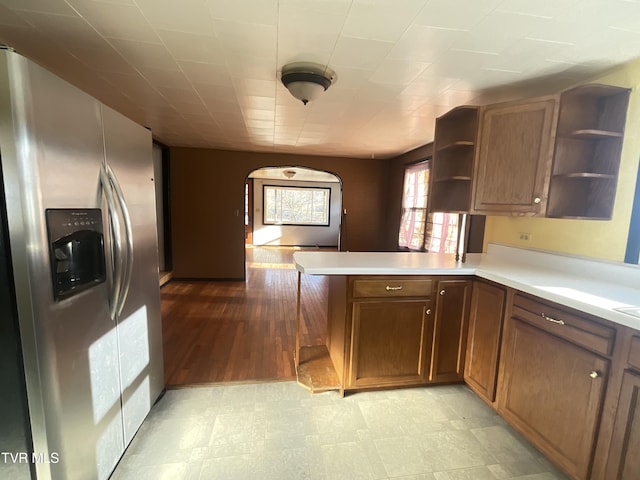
(293, 206)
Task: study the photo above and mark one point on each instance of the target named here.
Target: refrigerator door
(128, 153)
(16, 434)
(70, 346)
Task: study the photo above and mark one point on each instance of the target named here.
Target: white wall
(303, 235)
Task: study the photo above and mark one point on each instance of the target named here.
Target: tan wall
(207, 205)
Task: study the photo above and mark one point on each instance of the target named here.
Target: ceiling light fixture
(306, 81)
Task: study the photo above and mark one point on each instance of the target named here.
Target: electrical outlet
(524, 236)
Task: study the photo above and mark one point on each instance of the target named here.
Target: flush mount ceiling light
(306, 81)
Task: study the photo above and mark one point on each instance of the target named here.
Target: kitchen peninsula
(552, 342)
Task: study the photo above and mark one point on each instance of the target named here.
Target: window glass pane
(414, 206)
(296, 205)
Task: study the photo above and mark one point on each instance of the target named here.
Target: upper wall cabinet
(587, 152)
(555, 156)
(514, 157)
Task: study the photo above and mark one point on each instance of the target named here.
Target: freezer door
(70, 347)
(128, 153)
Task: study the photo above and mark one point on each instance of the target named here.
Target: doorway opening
(293, 207)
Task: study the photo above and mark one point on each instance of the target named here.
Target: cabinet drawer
(634, 353)
(392, 287)
(559, 322)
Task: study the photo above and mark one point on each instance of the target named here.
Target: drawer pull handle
(552, 320)
(594, 374)
(442, 291)
(393, 289)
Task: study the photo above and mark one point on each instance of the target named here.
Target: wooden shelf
(315, 370)
(455, 178)
(455, 145)
(586, 175)
(594, 134)
(575, 217)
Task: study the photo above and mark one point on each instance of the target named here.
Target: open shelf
(587, 153)
(582, 197)
(453, 160)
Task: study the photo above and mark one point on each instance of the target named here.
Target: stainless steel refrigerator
(81, 241)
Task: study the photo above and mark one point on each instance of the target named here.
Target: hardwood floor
(239, 331)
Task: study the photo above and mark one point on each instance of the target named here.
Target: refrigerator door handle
(128, 263)
(114, 230)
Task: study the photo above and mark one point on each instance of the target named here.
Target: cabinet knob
(537, 200)
(594, 374)
(427, 311)
(442, 292)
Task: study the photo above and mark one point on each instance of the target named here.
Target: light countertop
(591, 286)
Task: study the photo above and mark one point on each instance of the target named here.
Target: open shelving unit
(453, 157)
(587, 152)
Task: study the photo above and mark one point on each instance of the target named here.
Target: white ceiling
(205, 73)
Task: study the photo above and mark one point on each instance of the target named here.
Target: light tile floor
(279, 431)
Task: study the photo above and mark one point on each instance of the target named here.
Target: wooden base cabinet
(450, 330)
(389, 342)
(623, 461)
(389, 331)
(550, 388)
(483, 339)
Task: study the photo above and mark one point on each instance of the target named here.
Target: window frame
(327, 212)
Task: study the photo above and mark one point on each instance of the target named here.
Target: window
(414, 206)
(632, 254)
(419, 230)
(296, 205)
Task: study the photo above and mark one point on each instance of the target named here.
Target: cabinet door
(388, 342)
(552, 390)
(624, 461)
(514, 160)
(450, 328)
(483, 339)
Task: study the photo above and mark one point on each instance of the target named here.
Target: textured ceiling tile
(190, 16)
(259, 11)
(192, 47)
(11, 19)
(57, 7)
(247, 39)
(424, 44)
(380, 20)
(359, 53)
(164, 78)
(146, 55)
(206, 73)
(401, 72)
(461, 14)
(116, 21)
